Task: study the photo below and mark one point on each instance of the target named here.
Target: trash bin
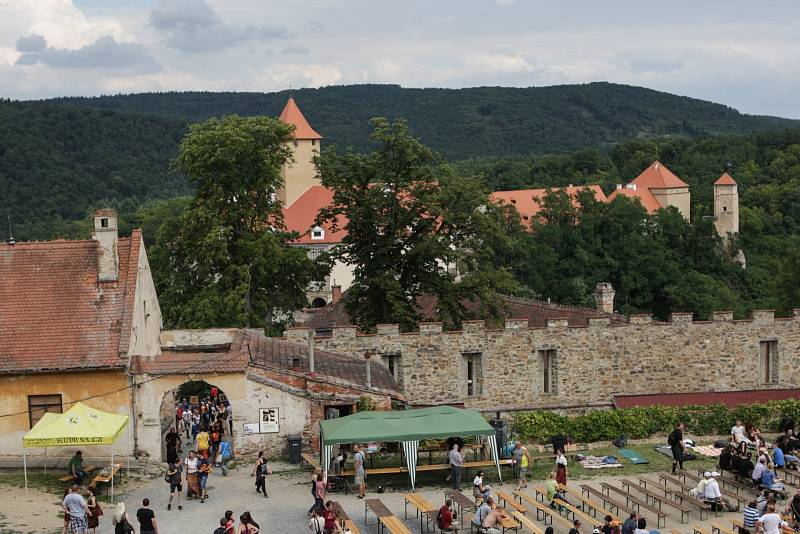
(294, 446)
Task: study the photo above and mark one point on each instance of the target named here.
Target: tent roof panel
(80, 425)
(405, 425)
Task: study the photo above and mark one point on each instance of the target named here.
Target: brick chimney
(107, 237)
(604, 297)
(336, 294)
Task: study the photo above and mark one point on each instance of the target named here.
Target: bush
(642, 422)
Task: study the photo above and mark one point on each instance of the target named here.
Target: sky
(745, 54)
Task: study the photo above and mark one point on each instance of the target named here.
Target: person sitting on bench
(713, 496)
(75, 468)
(491, 521)
(758, 471)
(746, 466)
(771, 482)
(444, 519)
(478, 489)
(725, 457)
(793, 509)
(482, 511)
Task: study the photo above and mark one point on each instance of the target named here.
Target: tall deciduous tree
(413, 228)
(230, 263)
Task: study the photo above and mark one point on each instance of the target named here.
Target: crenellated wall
(590, 364)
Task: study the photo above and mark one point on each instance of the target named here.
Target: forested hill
(474, 122)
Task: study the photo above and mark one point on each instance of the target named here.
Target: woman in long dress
(94, 509)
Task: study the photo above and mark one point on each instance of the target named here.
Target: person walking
(456, 460)
(173, 441)
(192, 464)
(204, 469)
(146, 518)
(203, 442)
(95, 511)
(561, 467)
(121, 521)
(319, 492)
(224, 456)
(522, 459)
(75, 505)
(175, 487)
(675, 441)
(260, 471)
(359, 462)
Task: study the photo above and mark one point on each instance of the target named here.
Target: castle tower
(726, 206)
(299, 176)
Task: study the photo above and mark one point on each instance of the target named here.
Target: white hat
(707, 474)
(596, 531)
(714, 474)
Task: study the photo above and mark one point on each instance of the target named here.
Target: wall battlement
(563, 365)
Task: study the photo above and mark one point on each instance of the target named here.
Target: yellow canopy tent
(80, 425)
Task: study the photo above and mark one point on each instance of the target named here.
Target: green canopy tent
(407, 427)
(80, 425)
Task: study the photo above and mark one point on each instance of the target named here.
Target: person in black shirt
(746, 466)
(576, 527)
(173, 440)
(725, 458)
(607, 528)
(146, 518)
(675, 441)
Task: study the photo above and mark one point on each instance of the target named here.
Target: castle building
(657, 187)
(726, 206)
(301, 174)
(528, 202)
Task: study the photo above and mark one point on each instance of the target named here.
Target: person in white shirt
(738, 433)
(713, 495)
(479, 490)
(771, 522)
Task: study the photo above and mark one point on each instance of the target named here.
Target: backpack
(672, 439)
(621, 441)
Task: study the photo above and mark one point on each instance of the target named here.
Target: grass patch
(50, 484)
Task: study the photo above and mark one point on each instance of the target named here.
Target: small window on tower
(313, 142)
(724, 208)
(104, 222)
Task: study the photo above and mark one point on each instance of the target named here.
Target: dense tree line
(463, 123)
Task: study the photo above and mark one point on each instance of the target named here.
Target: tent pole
(45, 461)
(112, 472)
(25, 469)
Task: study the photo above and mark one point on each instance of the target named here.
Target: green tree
(229, 262)
(413, 228)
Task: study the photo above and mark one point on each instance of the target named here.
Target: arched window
(318, 302)
(317, 233)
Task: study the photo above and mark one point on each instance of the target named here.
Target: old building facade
(575, 367)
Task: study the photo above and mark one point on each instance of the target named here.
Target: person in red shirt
(445, 518)
(214, 392)
(331, 523)
(230, 522)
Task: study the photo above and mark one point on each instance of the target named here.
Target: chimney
(604, 297)
(311, 351)
(107, 237)
(336, 294)
(619, 186)
(632, 187)
(367, 356)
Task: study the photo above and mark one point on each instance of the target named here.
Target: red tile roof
(528, 201)
(658, 176)
(55, 314)
(644, 195)
(291, 114)
(728, 398)
(536, 312)
(725, 179)
(301, 215)
(232, 360)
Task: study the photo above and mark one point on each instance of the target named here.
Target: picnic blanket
(707, 450)
(597, 462)
(633, 457)
(666, 450)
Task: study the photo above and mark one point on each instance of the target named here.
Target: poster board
(268, 420)
(194, 400)
(251, 428)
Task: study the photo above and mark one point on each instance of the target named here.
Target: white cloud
(283, 75)
(104, 53)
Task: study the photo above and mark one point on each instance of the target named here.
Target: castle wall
(588, 365)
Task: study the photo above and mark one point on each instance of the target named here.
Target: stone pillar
(604, 297)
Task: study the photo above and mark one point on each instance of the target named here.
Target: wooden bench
(593, 506)
(424, 509)
(725, 482)
(101, 478)
(527, 523)
(376, 507)
(697, 529)
(664, 478)
(789, 475)
(607, 500)
(508, 499)
(69, 478)
(717, 528)
(310, 460)
(660, 515)
(543, 513)
(669, 498)
(393, 525)
(681, 494)
(507, 522)
(577, 514)
(344, 518)
(378, 471)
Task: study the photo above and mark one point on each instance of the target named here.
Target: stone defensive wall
(576, 368)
